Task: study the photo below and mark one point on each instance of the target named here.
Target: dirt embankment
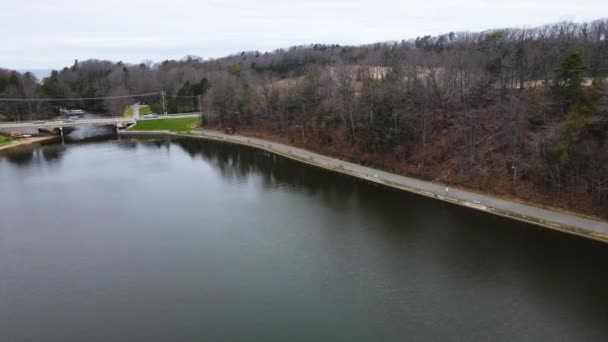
(27, 141)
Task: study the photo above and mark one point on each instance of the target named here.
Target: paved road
(172, 116)
(50, 124)
(547, 218)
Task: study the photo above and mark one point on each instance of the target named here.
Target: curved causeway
(564, 222)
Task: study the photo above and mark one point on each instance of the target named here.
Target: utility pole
(163, 94)
(200, 108)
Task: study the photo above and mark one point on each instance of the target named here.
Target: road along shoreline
(555, 220)
(27, 141)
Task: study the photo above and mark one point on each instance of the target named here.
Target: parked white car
(151, 116)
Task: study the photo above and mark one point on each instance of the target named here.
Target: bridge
(51, 124)
(33, 126)
(58, 125)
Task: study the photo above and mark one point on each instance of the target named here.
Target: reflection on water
(20, 157)
(51, 154)
(86, 132)
(158, 239)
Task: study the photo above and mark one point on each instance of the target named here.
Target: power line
(78, 99)
(185, 96)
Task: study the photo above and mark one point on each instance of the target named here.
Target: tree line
(519, 112)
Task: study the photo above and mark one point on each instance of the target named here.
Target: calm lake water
(187, 240)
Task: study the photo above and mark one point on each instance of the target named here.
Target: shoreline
(27, 141)
(538, 216)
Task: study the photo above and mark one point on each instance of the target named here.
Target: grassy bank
(145, 110)
(174, 125)
(4, 140)
(7, 143)
(142, 111)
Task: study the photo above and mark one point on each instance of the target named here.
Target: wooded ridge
(522, 113)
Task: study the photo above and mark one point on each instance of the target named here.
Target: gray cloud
(52, 33)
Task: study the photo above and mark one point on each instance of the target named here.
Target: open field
(143, 110)
(174, 125)
(4, 140)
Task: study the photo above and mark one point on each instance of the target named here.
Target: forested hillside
(518, 112)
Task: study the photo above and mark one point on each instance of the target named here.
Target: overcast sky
(52, 33)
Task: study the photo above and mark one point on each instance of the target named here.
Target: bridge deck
(50, 124)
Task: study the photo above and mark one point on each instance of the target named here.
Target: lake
(190, 240)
